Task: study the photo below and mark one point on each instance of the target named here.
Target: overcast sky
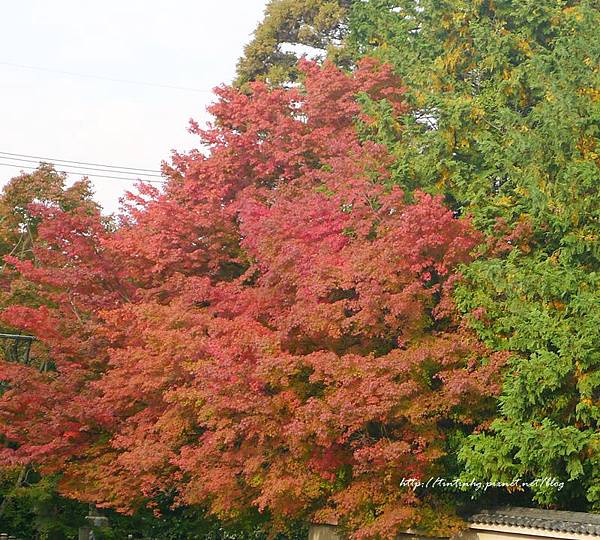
(187, 43)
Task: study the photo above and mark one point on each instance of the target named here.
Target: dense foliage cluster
(507, 129)
(289, 30)
(385, 270)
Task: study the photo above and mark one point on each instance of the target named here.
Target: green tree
(288, 28)
(507, 125)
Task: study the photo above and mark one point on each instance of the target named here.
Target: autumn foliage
(274, 330)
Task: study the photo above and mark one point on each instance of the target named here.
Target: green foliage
(545, 312)
(507, 103)
(507, 122)
(192, 523)
(288, 28)
(32, 508)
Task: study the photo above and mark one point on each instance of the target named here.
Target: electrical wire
(118, 171)
(55, 160)
(93, 175)
(103, 78)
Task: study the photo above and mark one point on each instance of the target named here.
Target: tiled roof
(546, 520)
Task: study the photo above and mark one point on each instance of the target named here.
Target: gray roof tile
(547, 520)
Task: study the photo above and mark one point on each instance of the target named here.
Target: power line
(55, 160)
(18, 166)
(103, 78)
(80, 167)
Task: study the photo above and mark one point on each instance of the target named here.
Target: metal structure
(17, 347)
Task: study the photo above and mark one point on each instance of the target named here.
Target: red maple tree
(274, 330)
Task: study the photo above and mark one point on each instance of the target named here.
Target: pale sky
(187, 43)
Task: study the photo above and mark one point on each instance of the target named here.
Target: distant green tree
(288, 27)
